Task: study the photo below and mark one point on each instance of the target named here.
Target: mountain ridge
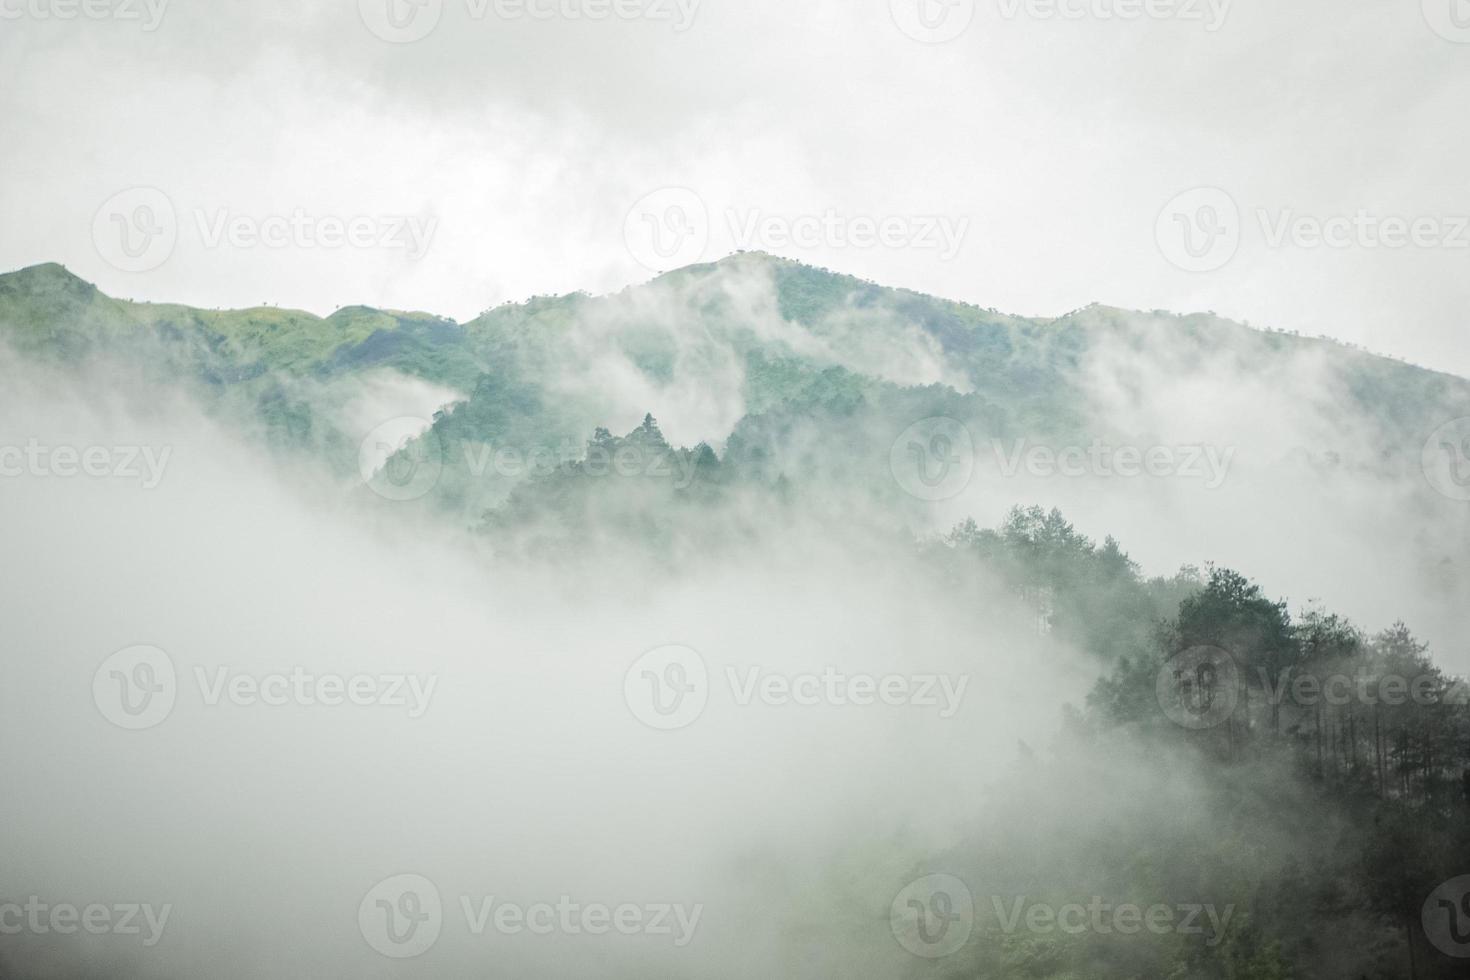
(798, 370)
(54, 277)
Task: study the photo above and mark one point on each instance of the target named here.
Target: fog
(378, 744)
(1278, 468)
(528, 777)
(853, 622)
(1286, 476)
(1059, 139)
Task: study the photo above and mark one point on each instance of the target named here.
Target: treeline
(1366, 726)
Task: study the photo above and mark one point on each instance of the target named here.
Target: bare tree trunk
(1353, 743)
(1378, 752)
(1320, 770)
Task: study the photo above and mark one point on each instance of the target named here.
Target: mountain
(790, 320)
(780, 467)
(792, 372)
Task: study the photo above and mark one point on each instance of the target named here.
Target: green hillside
(826, 369)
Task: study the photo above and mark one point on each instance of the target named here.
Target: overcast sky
(1012, 153)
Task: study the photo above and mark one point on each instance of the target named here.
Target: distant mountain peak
(45, 274)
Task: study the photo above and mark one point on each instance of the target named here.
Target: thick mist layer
(1267, 463)
(516, 765)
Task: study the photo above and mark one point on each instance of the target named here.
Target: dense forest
(1337, 764)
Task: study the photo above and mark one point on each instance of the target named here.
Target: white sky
(528, 139)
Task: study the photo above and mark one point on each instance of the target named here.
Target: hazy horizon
(1057, 141)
